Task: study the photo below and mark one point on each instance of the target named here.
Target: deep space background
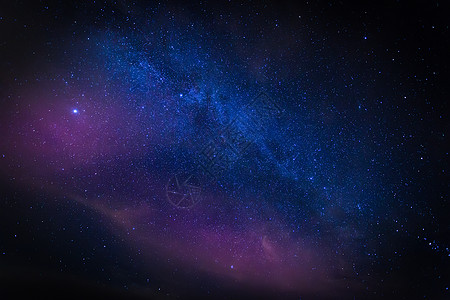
(343, 195)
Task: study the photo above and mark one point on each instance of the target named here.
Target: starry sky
(224, 149)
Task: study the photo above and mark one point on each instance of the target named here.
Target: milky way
(335, 186)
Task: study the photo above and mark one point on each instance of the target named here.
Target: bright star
(75, 111)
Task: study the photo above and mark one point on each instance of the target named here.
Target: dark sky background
(224, 149)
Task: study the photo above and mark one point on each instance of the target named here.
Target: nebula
(223, 156)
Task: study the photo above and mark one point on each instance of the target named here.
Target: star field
(224, 150)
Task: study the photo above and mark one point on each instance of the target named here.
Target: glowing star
(75, 111)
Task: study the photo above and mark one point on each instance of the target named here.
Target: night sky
(224, 149)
